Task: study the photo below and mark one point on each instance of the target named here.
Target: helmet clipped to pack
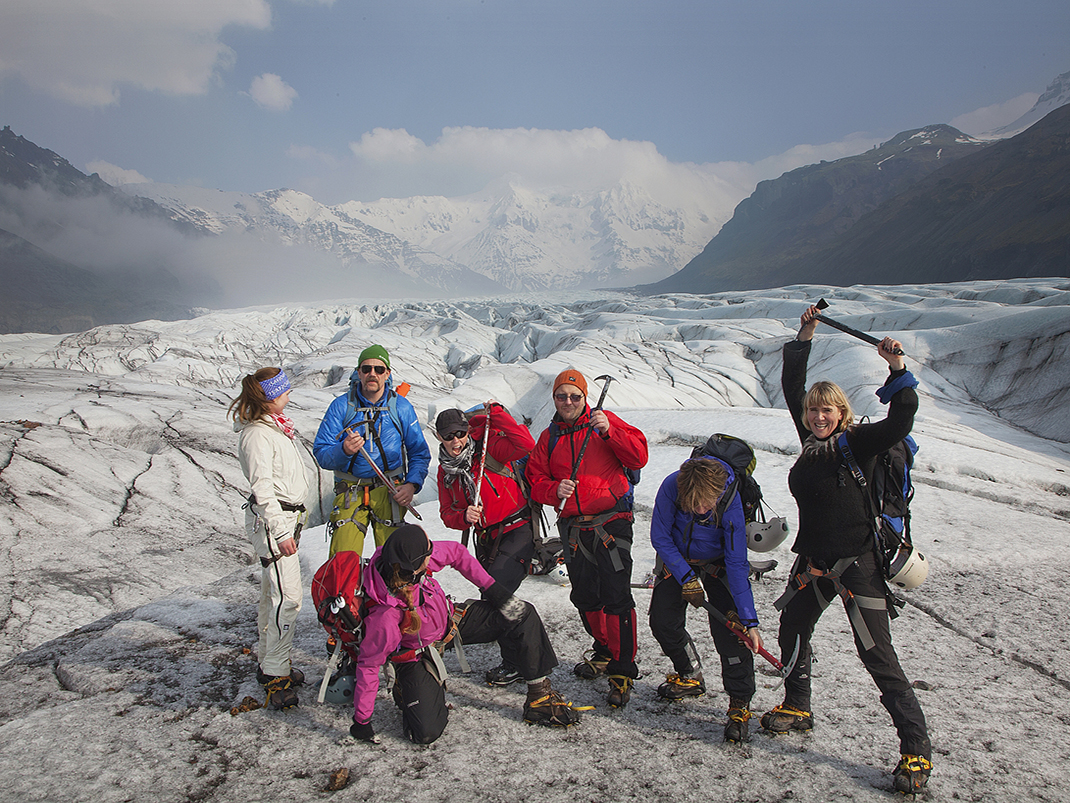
(765, 536)
(340, 692)
(908, 569)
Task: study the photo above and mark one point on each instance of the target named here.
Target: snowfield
(129, 592)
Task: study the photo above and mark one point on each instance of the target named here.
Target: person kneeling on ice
(410, 616)
(701, 541)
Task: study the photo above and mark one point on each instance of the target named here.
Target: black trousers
(668, 615)
(524, 643)
(602, 592)
(507, 557)
(798, 619)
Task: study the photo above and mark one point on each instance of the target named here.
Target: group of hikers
(491, 476)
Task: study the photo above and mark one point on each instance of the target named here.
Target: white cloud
(83, 51)
(272, 93)
(990, 118)
(114, 175)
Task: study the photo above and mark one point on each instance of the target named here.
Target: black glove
(508, 606)
(363, 732)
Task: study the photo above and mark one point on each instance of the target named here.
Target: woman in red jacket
(595, 522)
(501, 516)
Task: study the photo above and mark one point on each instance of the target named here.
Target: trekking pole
(390, 487)
(822, 304)
(587, 435)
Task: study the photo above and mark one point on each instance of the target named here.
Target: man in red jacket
(595, 523)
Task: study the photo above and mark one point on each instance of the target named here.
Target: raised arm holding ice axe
(598, 422)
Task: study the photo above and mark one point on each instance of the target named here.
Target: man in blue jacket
(701, 542)
(371, 421)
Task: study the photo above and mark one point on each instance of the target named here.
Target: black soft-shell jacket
(834, 517)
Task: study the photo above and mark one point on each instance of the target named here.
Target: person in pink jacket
(410, 619)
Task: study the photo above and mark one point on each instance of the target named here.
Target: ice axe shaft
(390, 487)
(587, 434)
(822, 304)
(782, 671)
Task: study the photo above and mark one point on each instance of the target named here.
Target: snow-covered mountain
(506, 237)
(129, 593)
(1055, 96)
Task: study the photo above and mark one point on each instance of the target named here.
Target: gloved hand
(693, 593)
(508, 606)
(363, 732)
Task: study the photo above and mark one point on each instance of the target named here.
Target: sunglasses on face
(379, 369)
(455, 436)
(572, 397)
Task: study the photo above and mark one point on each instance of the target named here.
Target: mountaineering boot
(591, 667)
(784, 718)
(503, 675)
(544, 706)
(679, 686)
(279, 694)
(912, 774)
(620, 690)
(297, 677)
(736, 729)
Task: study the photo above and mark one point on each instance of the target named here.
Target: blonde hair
(252, 404)
(700, 483)
(823, 394)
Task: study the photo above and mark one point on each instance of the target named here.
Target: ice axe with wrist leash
(587, 434)
(822, 304)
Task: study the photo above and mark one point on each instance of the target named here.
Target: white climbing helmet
(765, 536)
(559, 574)
(340, 692)
(908, 568)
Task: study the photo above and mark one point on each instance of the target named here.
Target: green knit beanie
(375, 352)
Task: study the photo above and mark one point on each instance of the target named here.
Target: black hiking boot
(784, 718)
(545, 706)
(912, 774)
(279, 694)
(297, 677)
(737, 730)
(591, 667)
(503, 675)
(620, 690)
(677, 687)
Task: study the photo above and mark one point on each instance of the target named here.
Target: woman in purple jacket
(410, 619)
(701, 542)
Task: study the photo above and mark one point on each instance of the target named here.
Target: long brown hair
(252, 404)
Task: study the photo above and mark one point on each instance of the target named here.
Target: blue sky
(353, 99)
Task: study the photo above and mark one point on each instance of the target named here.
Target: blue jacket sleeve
(415, 445)
(662, 521)
(327, 447)
(737, 567)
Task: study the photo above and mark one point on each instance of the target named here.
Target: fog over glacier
(129, 593)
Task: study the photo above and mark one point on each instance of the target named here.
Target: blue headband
(276, 386)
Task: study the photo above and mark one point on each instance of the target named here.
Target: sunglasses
(572, 397)
(379, 369)
(455, 436)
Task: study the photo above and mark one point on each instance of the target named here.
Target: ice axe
(390, 487)
(822, 304)
(587, 435)
(782, 670)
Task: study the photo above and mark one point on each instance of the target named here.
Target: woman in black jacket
(836, 548)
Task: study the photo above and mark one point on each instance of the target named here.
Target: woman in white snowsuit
(270, 458)
(836, 548)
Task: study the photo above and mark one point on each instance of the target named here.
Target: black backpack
(738, 454)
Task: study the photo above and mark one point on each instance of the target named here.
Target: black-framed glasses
(379, 369)
(455, 436)
(575, 398)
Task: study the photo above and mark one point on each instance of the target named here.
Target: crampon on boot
(545, 706)
(620, 690)
(297, 677)
(911, 774)
(736, 729)
(677, 687)
(279, 694)
(784, 718)
(593, 665)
